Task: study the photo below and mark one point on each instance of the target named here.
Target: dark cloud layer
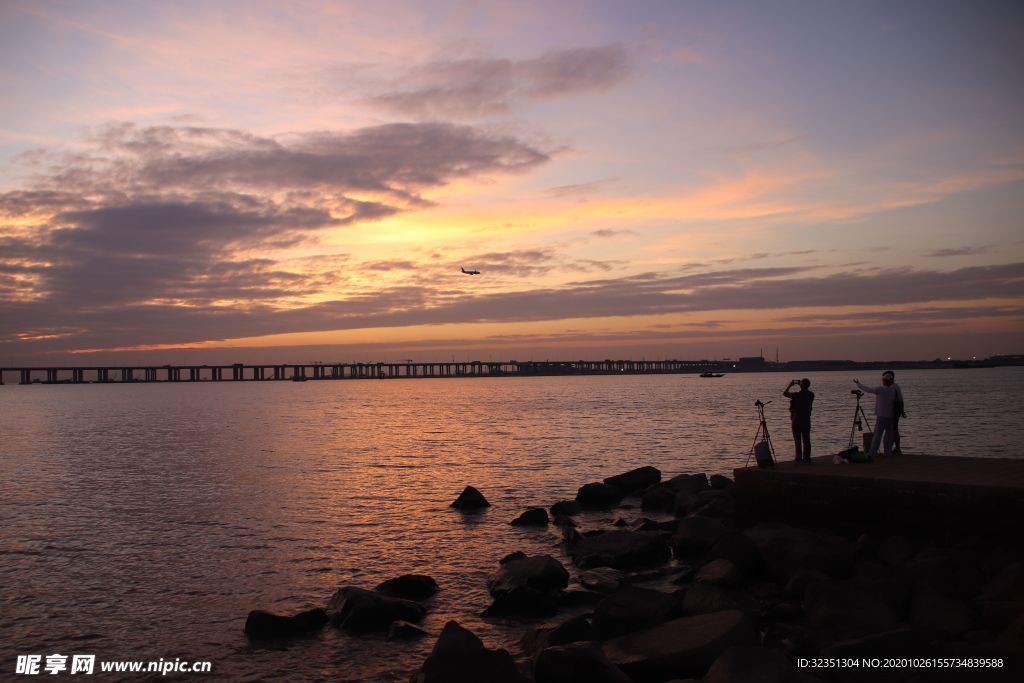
(481, 87)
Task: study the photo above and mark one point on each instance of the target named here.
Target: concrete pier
(944, 494)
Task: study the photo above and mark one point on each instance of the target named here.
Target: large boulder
(718, 481)
(598, 496)
(470, 499)
(953, 572)
(631, 609)
(541, 572)
(525, 601)
(691, 483)
(602, 579)
(260, 624)
(751, 665)
(358, 610)
(721, 572)
(532, 517)
(933, 612)
(459, 656)
(681, 648)
(576, 663)
(660, 498)
(704, 598)
(620, 549)
(740, 550)
(840, 610)
(696, 535)
(785, 550)
(408, 587)
(403, 630)
(566, 508)
(635, 481)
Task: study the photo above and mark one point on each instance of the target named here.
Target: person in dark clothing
(800, 404)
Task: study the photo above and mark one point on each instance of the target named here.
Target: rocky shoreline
(749, 600)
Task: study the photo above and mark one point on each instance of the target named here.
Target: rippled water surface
(145, 521)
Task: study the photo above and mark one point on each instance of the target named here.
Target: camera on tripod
(759, 403)
(857, 392)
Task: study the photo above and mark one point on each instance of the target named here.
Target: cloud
(467, 88)
(959, 251)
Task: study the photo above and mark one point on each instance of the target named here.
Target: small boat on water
(712, 374)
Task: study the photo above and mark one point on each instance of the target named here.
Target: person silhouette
(800, 405)
(888, 398)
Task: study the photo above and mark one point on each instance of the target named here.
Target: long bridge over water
(240, 372)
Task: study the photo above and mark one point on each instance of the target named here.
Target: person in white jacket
(888, 398)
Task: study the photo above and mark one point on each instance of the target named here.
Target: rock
(524, 601)
(684, 647)
(574, 630)
(598, 496)
(568, 508)
(408, 587)
(564, 522)
(620, 549)
(696, 535)
(784, 611)
(721, 571)
(260, 624)
(532, 517)
(573, 598)
(660, 498)
(539, 572)
(602, 579)
(669, 526)
(720, 482)
(517, 555)
(635, 481)
(459, 656)
(899, 642)
(703, 598)
(691, 483)
(470, 499)
(716, 503)
(954, 573)
(577, 663)
(933, 612)
(785, 550)
(359, 611)
(739, 549)
(632, 609)
(686, 503)
(620, 522)
(847, 609)
(798, 583)
(403, 630)
(750, 665)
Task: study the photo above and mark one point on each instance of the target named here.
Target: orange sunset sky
(296, 181)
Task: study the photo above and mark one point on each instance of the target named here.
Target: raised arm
(870, 390)
(786, 392)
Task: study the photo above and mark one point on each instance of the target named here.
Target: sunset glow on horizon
(284, 181)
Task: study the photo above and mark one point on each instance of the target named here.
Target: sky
(303, 181)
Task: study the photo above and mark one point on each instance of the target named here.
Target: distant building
(750, 363)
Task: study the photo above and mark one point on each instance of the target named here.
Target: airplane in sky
(470, 272)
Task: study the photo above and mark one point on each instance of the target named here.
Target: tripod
(761, 435)
(859, 418)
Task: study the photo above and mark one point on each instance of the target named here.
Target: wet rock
(681, 648)
(703, 598)
(785, 550)
(568, 508)
(847, 609)
(635, 481)
(358, 610)
(574, 630)
(459, 656)
(598, 496)
(716, 503)
(575, 597)
(660, 498)
(620, 549)
(470, 499)
(721, 571)
(403, 630)
(631, 609)
(576, 663)
(408, 587)
(696, 535)
(751, 665)
(524, 601)
(540, 572)
(602, 579)
(719, 482)
(517, 555)
(934, 612)
(564, 522)
(691, 483)
(740, 550)
(668, 527)
(260, 624)
(532, 517)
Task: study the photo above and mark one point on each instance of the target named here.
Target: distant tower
(776, 354)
